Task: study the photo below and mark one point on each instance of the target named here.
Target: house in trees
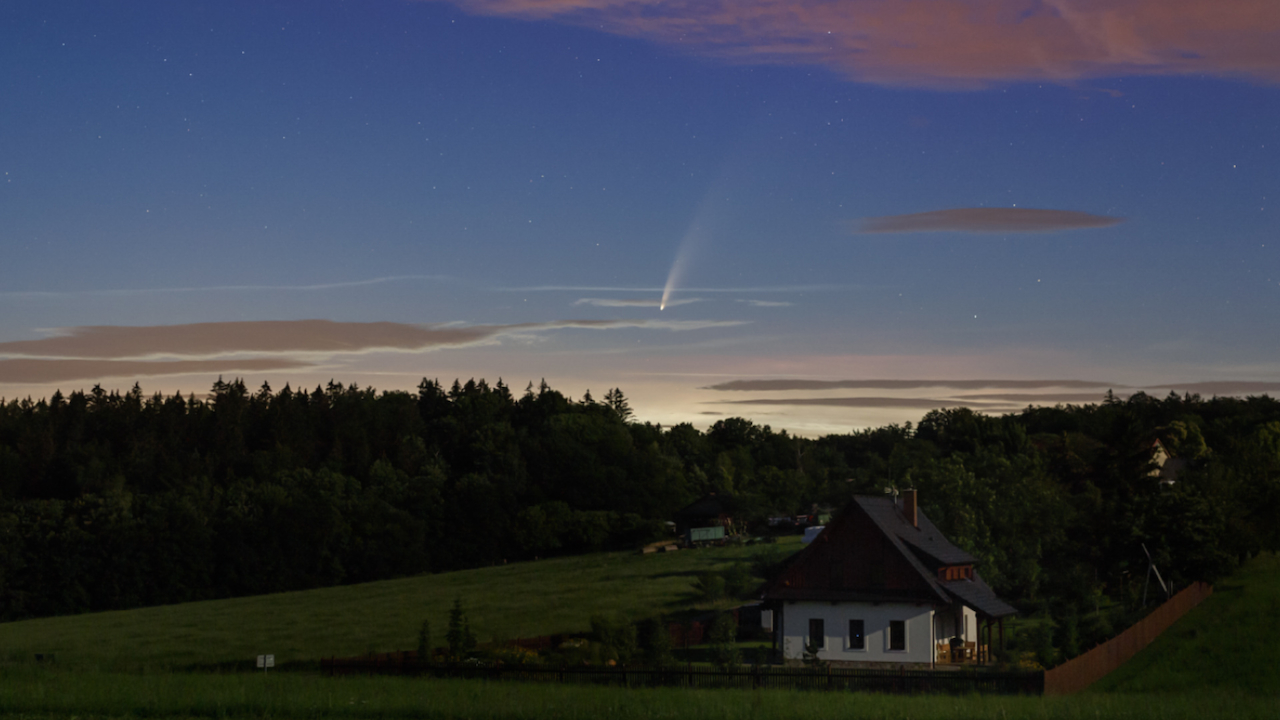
(882, 586)
(1165, 467)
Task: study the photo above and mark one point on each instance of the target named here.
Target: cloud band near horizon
(885, 384)
(85, 353)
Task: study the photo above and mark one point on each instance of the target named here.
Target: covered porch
(960, 651)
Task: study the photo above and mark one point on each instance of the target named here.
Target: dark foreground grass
(507, 601)
(1228, 641)
(41, 693)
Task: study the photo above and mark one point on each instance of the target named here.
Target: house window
(897, 635)
(817, 633)
(857, 641)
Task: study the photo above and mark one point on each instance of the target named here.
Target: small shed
(710, 511)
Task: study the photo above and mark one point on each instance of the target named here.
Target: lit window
(857, 641)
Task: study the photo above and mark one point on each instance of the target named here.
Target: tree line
(113, 500)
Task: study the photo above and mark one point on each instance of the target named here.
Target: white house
(881, 585)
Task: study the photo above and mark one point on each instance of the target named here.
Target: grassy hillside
(1224, 643)
(29, 691)
(507, 601)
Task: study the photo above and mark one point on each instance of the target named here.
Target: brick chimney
(910, 507)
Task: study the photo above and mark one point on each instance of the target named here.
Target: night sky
(821, 216)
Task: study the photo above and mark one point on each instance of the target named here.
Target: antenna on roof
(1151, 568)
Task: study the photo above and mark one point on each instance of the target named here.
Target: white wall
(875, 619)
(950, 622)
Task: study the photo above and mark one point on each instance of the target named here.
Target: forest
(117, 500)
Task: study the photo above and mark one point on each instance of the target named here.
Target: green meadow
(303, 695)
(1213, 663)
(1225, 642)
(503, 602)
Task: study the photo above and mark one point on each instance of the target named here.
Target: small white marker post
(266, 661)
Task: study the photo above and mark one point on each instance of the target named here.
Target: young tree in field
(655, 643)
(424, 641)
(460, 638)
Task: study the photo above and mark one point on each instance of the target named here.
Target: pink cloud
(87, 353)
(225, 338)
(801, 384)
(41, 370)
(987, 220)
(946, 43)
(861, 402)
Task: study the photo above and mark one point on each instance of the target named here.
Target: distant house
(882, 586)
(1167, 468)
(708, 518)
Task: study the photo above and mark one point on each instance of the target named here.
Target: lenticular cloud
(987, 220)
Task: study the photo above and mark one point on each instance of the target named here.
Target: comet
(678, 267)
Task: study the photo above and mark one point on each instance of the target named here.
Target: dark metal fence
(851, 679)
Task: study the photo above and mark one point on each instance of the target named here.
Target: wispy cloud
(1041, 398)
(792, 385)
(606, 288)
(953, 44)
(673, 325)
(986, 220)
(760, 303)
(1222, 387)
(621, 302)
(125, 292)
(859, 402)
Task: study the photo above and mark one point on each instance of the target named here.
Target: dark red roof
(871, 552)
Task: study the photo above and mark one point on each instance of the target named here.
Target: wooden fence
(862, 680)
(1082, 671)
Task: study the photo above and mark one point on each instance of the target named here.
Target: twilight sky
(818, 215)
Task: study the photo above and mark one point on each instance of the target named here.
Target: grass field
(506, 601)
(1214, 663)
(39, 692)
(1225, 642)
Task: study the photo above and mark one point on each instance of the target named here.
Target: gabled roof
(915, 554)
(710, 505)
(926, 539)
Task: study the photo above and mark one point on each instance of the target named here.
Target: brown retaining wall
(1082, 671)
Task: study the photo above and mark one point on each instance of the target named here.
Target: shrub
(655, 643)
(617, 637)
(724, 642)
(709, 586)
(738, 580)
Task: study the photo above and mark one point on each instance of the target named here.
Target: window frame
(889, 637)
(860, 644)
(821, 626)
